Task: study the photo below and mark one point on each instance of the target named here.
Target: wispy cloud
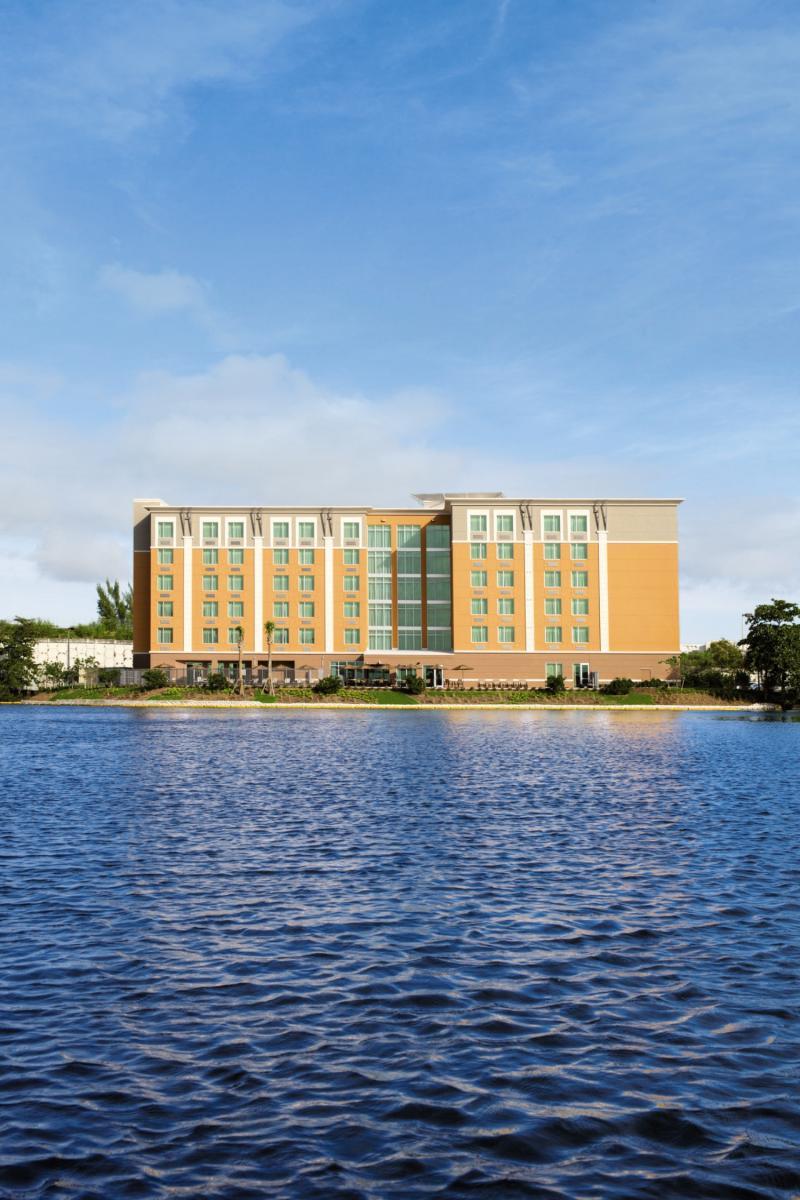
(156, 292)
(113, 72)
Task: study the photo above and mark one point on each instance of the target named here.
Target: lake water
(398, 954)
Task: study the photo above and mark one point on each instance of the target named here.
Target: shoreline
(360, 706)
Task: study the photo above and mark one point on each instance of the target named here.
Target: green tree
(115, 609)
(18, 670)
(772, 647)
(269, 630)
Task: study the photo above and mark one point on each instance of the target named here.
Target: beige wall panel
(642, 523)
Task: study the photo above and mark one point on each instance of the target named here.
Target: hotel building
(464, 586)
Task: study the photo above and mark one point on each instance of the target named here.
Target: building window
(280, 637)
(409, 537)
(307, 637)
(505, 550)
(552, 633)
(210, 608)
(480, 607)
(439, 616)
(306, 583)
(409, 587)
(440, 639)
(236, 529)
(578, 523)
(409, 639)
(580, 579)
(352, 583)
(380, 614)
(280, 583)
(438, 589)
(166, 558)
(164, 636)
(478, 579)
(580, 634)
(352, 558)
(210, 558)
(352, 609)
(505, 523)
(505, 579)
(409, 616)
(165, 608)
(437, 536)
(380, 639)
(552, 550)
(280, 557)
(236, 557)
(235, 583)
(352, 637)
(305, 529)
(379, 537)
(480, 633)
(505, 633)
(210, 583)
(478, 549)
(580, 607)
(210, 637)
(580, 550)
(280, 529)
(166, 529)
(379, 562)
(306, 609)
(552, 579)
(552, 523)
(552, 606)
(280, 608)
(164, 583)
(437, 562)
(235, 608)
(553, 670)
(352, 530)
(210, 530)
(505, 606)
(478, 523)
(234, 635)
(409, 562)
(305, 558)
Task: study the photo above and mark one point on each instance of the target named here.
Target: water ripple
(405, 955)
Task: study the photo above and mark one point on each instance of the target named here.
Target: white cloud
(159, 292)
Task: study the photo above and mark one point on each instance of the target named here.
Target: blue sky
(342, 251)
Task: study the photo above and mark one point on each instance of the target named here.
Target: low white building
(69, 652)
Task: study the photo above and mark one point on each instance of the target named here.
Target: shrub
(216, 681)
(554, 685)
(328, 686)
(108, 676)
(618, 687)
(153, 678)
(414, 685)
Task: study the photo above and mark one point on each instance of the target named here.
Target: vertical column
(530, 643)
(188, 598)
(327, 542)
(602, 580)
(258, 595)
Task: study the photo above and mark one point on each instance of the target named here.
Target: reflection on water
(252, 954)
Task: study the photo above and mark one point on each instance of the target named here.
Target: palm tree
(239, 640)
(269, 630)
